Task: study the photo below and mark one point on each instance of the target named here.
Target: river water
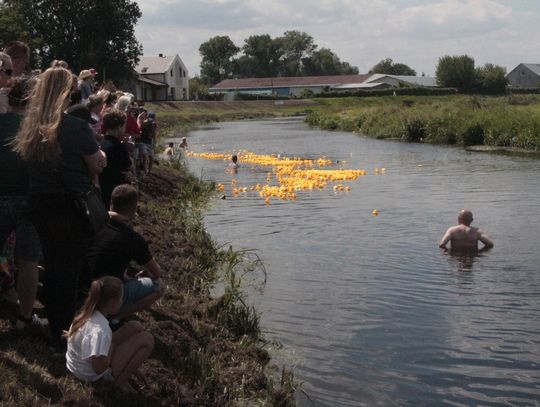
(369, 310)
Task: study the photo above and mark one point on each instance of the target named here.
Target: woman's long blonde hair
(37, 139)
(101, 292)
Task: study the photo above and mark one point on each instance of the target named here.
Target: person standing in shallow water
(463, 237)
(233, 165)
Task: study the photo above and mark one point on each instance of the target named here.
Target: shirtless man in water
(463, 237)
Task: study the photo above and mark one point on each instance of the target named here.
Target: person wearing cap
(85, 84)
(119, 168)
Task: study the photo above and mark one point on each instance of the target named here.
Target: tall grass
(510, 121)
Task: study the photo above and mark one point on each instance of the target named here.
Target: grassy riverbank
(208, 350)
(508, 121)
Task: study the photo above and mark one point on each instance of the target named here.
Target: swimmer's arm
(445, 239)
(488, 243)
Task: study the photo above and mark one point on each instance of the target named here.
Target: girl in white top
(93, 351)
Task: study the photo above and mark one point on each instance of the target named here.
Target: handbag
(91, 211)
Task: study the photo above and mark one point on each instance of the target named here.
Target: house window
(183, 73)
(172, 73)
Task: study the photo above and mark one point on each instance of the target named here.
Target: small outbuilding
(525, 76)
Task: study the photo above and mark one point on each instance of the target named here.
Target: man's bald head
(465, 217)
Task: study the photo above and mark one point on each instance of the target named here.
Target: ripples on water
(369, 310)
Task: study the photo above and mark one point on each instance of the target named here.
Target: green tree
(217, 59)
(387, 66)
(13, 25)
(491, 78)
(325, 62)
(297, 45)
(261, 57)
(456, 72)
(98, 34)
(197, 89)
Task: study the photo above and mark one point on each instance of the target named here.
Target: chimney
(161, 55)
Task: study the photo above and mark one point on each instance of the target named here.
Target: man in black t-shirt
(115, 246)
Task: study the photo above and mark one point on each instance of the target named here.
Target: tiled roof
(149, 65)
(284, 82)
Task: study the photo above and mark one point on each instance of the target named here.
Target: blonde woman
(62, 157)
(94, 352)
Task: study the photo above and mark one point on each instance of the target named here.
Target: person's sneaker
(34, 321)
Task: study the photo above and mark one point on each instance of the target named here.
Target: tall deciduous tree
(387, 66)
(217, 58)
(491, 78)
(98, 34)
(297, 45)
(325, 62)
(456, 72)
(262, 56)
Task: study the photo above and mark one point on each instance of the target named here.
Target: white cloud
(362, 32)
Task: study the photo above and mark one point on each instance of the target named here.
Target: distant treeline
(292, 54)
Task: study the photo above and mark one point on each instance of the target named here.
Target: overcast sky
(362, 32)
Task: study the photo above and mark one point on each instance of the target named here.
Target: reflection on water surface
(369, 310)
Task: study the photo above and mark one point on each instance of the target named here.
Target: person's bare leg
(27, 285)
(129, 356)
(126, 331)
(140, 305)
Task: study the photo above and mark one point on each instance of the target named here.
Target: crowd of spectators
(62, 133)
